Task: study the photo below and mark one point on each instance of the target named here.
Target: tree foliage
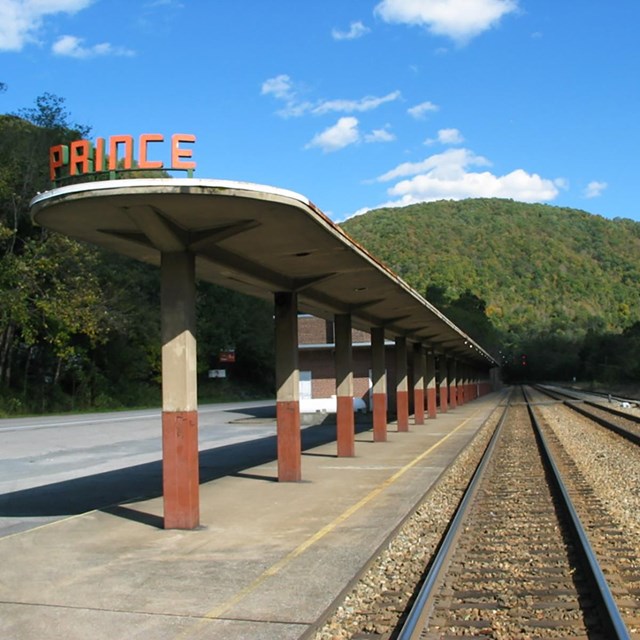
(529, 277)
(80, 327)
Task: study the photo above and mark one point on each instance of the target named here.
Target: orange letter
(177, 153)
(114, 141)
(81, 156)
(99, 154)
(143, 163)
(58, 157)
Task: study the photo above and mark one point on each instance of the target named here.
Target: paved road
(53, 467)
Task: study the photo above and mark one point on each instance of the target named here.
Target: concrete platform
(268, 561)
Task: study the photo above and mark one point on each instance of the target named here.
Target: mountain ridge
(539, 268)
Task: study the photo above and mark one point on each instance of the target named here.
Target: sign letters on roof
(82, 157)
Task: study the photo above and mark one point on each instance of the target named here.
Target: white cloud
(283, 88)
(20, 20)
(379, 135)
(279, 87)
(356, 30)
(447, 136)
(448, 176)
(449, 163)
(340, 135)
(421, 109)
(350, 106)
(460, 20)
(346, 132)
(595, 189)
(74, 48)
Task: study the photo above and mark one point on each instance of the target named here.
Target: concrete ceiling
(256, 240)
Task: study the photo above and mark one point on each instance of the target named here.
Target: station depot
(359, 329)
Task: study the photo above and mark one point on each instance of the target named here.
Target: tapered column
(467, 377)
(418, 384)
(379, 375)
(453, 382)
(402, 384)
(180, 475)
(430, 384)
(344, 386)
(443, 383)
(287, 387)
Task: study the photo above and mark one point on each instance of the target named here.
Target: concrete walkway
(269, 559)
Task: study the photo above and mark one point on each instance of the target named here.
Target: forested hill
(539, 269)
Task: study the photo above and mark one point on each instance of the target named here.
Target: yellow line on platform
(222, 608)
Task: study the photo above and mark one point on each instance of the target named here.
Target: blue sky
(355, 103)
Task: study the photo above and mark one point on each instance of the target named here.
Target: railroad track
(516, 561)
(624, 424)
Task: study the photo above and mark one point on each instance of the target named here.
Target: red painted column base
(452, 398)
(289, 441)
(444, 404)
(345, 427)
(379, 417)
(431, 403)
(402, 400)
(180, 474)
(418, 406)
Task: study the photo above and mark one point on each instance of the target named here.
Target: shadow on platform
(111, 490)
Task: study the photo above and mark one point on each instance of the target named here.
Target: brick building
(316, 339)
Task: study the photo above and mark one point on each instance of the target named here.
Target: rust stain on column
(180, 469)
(289, 441)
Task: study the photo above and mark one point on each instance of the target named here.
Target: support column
(379, 374)
(287, 387)
(430, 383)
(418, 384)
(402, 384)
(180, 473)
(443, 383)
(453, 382)
(344, 386)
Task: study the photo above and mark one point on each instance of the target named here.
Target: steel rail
(421, 607)
(612, 617)
(603, 422)
(423, 604)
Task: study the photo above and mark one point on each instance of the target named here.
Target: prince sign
(119, 153)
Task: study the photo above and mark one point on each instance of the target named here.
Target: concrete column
(430, 384)
(379, 374)
(402, 384)
(443, 383)
(418, 384)
(462, 381)
(180, 473)
(472, 381)
(344, 386)
(453, 382)
(494, 377)
(287, 387)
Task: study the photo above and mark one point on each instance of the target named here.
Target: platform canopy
(254, 239)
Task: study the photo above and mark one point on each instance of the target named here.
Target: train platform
(268, 561)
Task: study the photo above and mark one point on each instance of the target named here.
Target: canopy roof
(254, 239)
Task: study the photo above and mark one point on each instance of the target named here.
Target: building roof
(254, 239)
